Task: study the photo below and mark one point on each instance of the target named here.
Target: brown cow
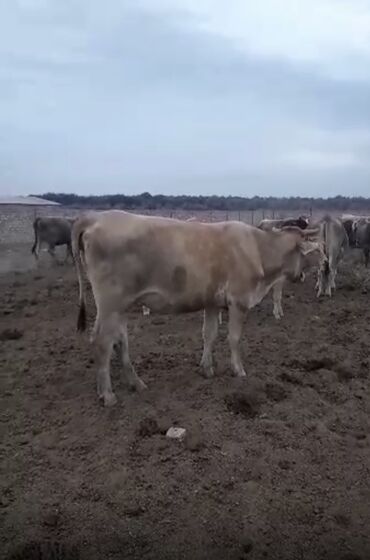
(174, 266)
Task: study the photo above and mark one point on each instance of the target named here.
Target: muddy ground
(276, 466)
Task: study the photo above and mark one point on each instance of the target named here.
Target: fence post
(239, 215)
(252, 217)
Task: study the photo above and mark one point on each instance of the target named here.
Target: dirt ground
(273, 467)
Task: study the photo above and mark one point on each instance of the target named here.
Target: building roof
(27, 200)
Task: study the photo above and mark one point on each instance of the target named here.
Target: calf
(174, 266)
(53, 232)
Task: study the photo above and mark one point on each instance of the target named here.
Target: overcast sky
(185, 97)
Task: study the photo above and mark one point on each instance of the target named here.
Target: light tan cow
(174, 266)
(335, 243)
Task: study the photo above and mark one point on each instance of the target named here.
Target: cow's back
(154, 260)
(54, 230)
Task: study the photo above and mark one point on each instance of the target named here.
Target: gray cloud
(104, 99)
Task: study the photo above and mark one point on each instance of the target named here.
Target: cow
(267, 224)
(173, 266)
(358, 233)
(349, 221)
(361, 235)
(53, 232)
(335, 242)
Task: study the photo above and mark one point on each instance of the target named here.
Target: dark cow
(53, 232)
(361, 234)
(268, 225)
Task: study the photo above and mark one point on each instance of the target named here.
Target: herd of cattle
(178, 266)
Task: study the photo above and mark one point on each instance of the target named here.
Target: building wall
(16, 221)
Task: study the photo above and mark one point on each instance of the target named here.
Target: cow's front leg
(236, 317)
(51, 252)
(277, 292)
(210, 330)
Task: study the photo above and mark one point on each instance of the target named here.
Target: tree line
(230, 203)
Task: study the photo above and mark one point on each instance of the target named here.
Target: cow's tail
(35, 229)
(78, 251)
(326, 268)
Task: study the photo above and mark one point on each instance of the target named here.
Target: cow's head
(302, 222)
(308, 251)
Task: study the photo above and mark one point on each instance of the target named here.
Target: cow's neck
(277, 248)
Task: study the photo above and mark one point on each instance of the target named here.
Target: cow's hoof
(138, 386)
(208, 373)
(109, 399)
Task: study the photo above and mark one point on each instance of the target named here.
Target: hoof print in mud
(45, 551)
(10, 334)
(243, 403)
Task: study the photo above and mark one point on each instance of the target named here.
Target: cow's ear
(307, 247)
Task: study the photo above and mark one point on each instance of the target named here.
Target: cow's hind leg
(236, 317)
(104, 335)
(210, 330)
(333, 276)
(36, 250)
(330, 278)
(320, 282)
(69, 253)
(133, 380)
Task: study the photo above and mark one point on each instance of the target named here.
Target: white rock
(176, 433)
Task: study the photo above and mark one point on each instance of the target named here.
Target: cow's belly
(168, 301)
(165, 302)
(255, 296)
